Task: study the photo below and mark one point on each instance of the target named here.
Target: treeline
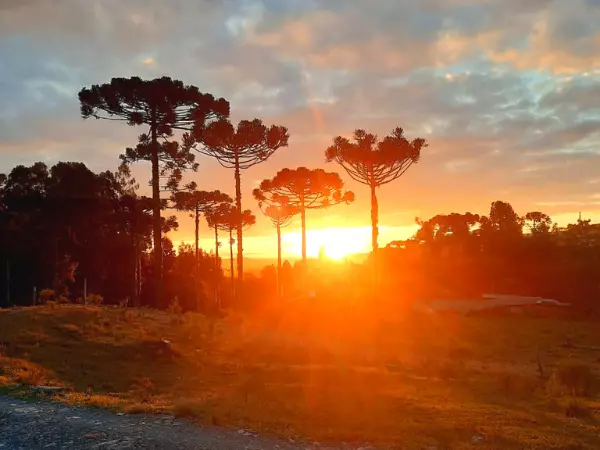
(465, 255)
(54, 224)
(66, 226)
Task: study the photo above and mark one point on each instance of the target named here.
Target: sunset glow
(337, 242)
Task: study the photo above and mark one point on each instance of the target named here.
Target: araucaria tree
(163, 105)
(280, 215)
(227, 219)
(238, 148)
(197, 202)
(303, 189)
(375, 162)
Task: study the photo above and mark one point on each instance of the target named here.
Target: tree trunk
(195, 272)
(278, 225)
(217, 267)
(374, 231)
(231, 262)
(136, 273)
(156, 223)
(238, 206)
(374, 219)
(303, 226)
(7, 283)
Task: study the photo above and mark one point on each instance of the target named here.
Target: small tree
(239, 149)
(197, 202)
(163, 105)
(375, 162)
(229, 220)
(538, 223)
(280, 216)
(303, 189)
(213, 218)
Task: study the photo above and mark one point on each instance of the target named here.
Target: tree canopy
(163, 105)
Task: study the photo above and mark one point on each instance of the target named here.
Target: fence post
(85, 291)
(34, 295)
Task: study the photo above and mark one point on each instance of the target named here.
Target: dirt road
(45, 425)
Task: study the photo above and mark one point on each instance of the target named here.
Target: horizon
(508, 114)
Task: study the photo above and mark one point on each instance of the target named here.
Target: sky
(506, 93)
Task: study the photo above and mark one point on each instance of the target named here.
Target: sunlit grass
(322, 372)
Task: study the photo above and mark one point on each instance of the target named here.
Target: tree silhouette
(239, 149)
(197, 202)
(227, 219)
(280, 215)
(537, 222)
(375, 162)
(163, 105)
(303, 189)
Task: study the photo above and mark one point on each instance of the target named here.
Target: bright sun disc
(337, 243)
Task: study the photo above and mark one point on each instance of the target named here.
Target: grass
(323, 373)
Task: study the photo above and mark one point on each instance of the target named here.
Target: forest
(67, 233)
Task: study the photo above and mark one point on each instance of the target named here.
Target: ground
(333, 374)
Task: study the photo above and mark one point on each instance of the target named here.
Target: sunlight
(337, 242)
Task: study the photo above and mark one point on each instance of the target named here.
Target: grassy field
(333, 374)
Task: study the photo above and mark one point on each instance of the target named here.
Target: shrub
(572, 379)
(94, 299)
(575, 408)
(46, 295)
(174, 307)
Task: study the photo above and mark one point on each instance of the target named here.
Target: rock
(120, 414)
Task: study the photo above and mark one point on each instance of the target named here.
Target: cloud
(507, 93)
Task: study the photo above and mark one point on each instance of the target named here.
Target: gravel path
(46, 425)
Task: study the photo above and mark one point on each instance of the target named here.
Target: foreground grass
(332, 375)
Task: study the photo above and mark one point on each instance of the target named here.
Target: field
(330, 374)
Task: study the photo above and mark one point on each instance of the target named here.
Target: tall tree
(280, 214)
(163, 105)
(303, 189)
(375, 162)
(238, 148)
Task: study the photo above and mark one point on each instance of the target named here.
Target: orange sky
(506, 93)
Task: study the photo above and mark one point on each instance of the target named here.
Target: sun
(337, 250)
(337, 243)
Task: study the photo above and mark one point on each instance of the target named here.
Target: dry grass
(328, 374)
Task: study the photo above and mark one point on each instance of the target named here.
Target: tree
(198, 202)
(302, 189)
(375, 162)
(239, 149)
(214, 217)
(280, 215)
(227, 219)
(163, 105)
(537, 222)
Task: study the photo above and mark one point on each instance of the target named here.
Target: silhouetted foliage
(466, 255)
(197, 202)
(227, 219)
(238, 148)
(280, 215)
(163, 105)
(375, 162)
(302, 189)
(62, 225)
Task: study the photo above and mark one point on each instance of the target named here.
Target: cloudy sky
(506, 92)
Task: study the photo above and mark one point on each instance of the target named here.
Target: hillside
(324, 374)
